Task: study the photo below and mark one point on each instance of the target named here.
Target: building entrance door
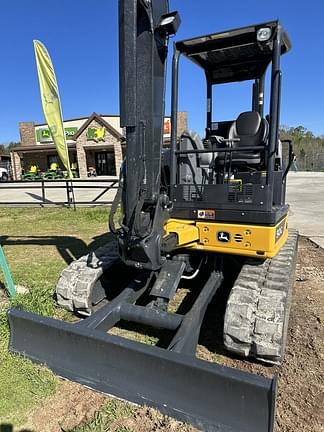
(105, 163)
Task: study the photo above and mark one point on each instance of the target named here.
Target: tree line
(6, 147)
(308, 148)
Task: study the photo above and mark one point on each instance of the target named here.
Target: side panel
(246, 240)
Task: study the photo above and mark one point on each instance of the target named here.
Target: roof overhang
(234, 55)
(40, 148)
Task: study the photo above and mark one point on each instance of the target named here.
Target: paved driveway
(55, 193)
(305, 194)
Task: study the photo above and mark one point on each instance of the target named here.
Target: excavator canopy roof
(235, 55)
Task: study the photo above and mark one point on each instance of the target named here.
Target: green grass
(109, 418)
(38, 243)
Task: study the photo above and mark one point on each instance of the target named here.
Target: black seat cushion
(252, 130)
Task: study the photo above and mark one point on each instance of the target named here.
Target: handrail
(290, 157)
(221, 150)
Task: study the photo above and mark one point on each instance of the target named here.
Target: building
(95, 143)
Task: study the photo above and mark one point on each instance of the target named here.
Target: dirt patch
(148, 420)
(71, 405)
(300, 396)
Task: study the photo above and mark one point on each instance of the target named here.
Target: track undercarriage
(257, 312)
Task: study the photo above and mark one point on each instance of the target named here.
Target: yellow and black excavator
(210, 210)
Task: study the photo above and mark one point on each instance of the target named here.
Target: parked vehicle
(4, 175)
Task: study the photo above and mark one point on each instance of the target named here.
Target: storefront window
(52, 159)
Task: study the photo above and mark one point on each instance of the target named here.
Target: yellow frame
(246, 240)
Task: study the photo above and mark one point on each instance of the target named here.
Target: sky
(82, 39)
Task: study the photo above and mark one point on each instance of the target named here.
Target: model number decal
(280, 230)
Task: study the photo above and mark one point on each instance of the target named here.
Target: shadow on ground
(70, 248)
(41, 199)
(6, 427)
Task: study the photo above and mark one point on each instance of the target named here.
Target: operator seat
(194, 167)
(251, 130)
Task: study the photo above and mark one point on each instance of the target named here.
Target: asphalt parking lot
(304, 194)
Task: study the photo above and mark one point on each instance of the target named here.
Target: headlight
(169, 24)
(264, 34)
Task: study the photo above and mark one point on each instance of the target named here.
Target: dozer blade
(210, 396)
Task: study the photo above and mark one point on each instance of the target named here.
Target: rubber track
(74, 287)
(257, 313)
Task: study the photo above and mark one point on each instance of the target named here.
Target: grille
(191, 193)
(238, 238)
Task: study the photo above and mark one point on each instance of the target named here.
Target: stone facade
(182, 122)
(86, 148)
(27, 133)
(81, 160)
(16, 165)
(118, 156)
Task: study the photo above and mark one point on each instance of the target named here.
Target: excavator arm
(143, 52)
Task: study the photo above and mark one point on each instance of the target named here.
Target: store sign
(44, 135)
(96, 134)
(167, 127)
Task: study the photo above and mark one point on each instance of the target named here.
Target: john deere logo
(45, 133)
(96, 134)
(223, 236)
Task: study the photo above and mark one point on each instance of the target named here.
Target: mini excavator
(188, 211)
